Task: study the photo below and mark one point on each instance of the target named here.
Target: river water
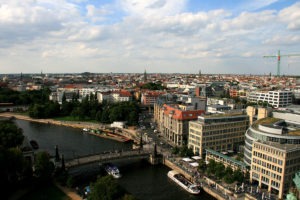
(144, 181)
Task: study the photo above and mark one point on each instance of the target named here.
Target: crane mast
(278, 56)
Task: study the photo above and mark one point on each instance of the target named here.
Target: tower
(145, 76)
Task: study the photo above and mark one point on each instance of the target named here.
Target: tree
(219, 170)
(10, 134)
(202, 165)
(211, 167)
(43, 166)
(175, 150)
(228, 178)
(106, 188)
(238, 175)
(185, 151)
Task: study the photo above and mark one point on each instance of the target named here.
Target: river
(144, 181)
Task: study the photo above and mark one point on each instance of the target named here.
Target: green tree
(211, 167)
(238, 175)
(185, 151)
(175, 150)
(43, 167)
(202, 165)
(10, 134)
(219, 170)
(228, 178)
(106, 188)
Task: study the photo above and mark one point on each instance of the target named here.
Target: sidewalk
(69, 192)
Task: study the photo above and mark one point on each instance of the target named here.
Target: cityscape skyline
(160, 36)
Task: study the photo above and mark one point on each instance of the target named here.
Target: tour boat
(111, 169)
(183, 182)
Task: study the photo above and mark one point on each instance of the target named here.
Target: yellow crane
(278, 56)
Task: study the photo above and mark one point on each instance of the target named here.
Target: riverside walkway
(104, 157)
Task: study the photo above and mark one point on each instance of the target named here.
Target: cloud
(291, 16)
(127, 35)
(148, 8)
(253, 5)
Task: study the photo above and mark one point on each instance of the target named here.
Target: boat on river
(113, 170)
(34, 144)
(180, 180)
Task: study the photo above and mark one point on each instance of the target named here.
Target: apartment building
(277, 99)
(174, 124)
(274, 166)
(221, 132)
(150, 97)
(114, 96)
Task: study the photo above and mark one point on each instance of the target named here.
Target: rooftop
(272, 122)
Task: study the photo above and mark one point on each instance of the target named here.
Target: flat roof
(227, 158)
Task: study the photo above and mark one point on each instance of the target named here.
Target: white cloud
(252, 5)
(148, 8)
(291, 16)
(65, 36)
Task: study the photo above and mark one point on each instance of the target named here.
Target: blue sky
(182, 36)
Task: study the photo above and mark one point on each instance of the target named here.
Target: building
(274, 166)
(150, 97)
(220, 132)
(278, 99)
(227, 161)
(218, 108)
(272, 150)
(114, 96)
(256, 113)
(174, 125)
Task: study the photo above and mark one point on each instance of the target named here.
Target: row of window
(241, 130)
(268, 149)
(266, 172)
(225, 125)
(223, 137)
(264, 164)
(268, 158)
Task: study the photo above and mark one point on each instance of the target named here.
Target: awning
(187, 159)
(196, 157)
(194, 164)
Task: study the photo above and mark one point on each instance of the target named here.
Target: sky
(159, 36)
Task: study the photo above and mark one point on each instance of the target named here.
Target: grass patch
(49, 192)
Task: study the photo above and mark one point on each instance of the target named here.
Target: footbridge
(105, 157)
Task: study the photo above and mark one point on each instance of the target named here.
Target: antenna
(278, 59)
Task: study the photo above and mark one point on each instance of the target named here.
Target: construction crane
(278, 59)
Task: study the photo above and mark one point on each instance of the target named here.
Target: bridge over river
(104, 157)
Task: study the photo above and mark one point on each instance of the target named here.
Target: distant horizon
(163, 36)
(151, 73)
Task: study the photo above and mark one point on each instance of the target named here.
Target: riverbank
(79, 125)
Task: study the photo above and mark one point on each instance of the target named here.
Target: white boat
(183, 182)
(111, 169)
(85, 130)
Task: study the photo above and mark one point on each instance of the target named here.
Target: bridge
(105, 157)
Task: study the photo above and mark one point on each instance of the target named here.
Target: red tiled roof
(182, 114)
